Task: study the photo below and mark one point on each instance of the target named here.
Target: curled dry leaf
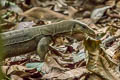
(16, 77)
(98, 13)
(23, 25)
(74, 73)
(113, 49)
(59, 41)
(98, 61)
(118, 4)
(117, 55)
(71, 11)
(51, 62)
(9, 69)
(78, 36)
(42, 13)
(51, 75)
(15, 8)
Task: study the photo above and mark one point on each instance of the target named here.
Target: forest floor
(80, 58)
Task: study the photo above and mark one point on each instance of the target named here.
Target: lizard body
(19, 42)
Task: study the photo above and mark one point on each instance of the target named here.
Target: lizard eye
(78, 26)
(74, 26)
(84, 26)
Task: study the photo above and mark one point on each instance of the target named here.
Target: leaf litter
(68, 58)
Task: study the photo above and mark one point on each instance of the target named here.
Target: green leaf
(36, 65)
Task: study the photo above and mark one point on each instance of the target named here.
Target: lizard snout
(91, 33)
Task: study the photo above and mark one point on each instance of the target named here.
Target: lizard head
(83, 28)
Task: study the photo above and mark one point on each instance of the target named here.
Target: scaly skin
(19, 42)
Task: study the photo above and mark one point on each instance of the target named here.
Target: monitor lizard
(38, 38)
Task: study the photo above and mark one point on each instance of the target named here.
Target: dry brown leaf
(45, 68)
(118, 4)
(51, 62)
(98, 61)
(59, 41)
(16, 77)
(94, 77)
(74, 73)
(117, 54)
(9, 69)
(98, 13)
(78, 36)
(53, 74)
(42, 13)
(71, 11)
(23, 25)
(110, 2)
(111, 50)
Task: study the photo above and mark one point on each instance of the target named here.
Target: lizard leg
(43, 46)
